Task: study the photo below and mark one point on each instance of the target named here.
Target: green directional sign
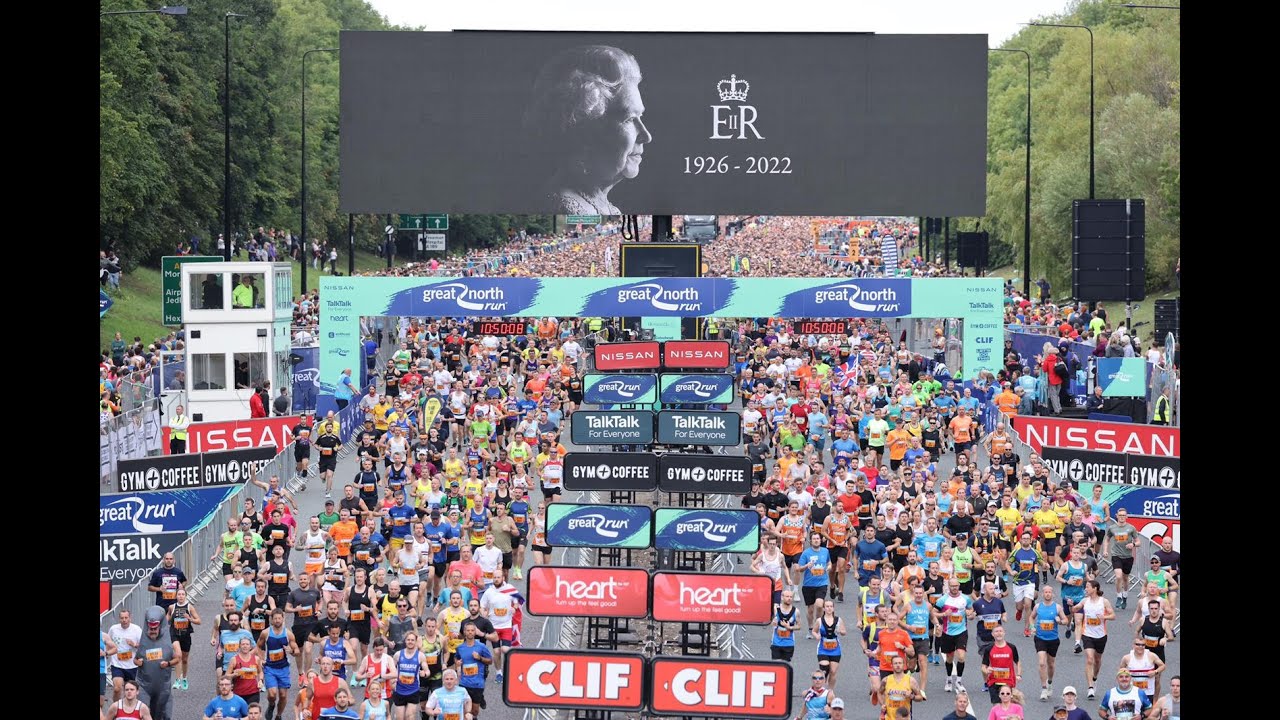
(424, 222)
(171, 284)
(582, 219)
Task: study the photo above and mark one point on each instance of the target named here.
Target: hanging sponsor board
(611, 427)
(588, 591)
(700, 389)
(696, 354)
(611, 471)
(707, 530)
(728, 474)
(572, 679)
(712, 597)
(601, 389)
(613, 526)
(1073, 434)
(699, 427)
(611, 357)
(720, 688)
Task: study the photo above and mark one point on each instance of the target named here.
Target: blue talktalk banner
(855, 297)
(1122, 377)
(662, 297)
(707, 530)
(160, 511)
(613, 526)
(306, 378)
(696, 389)
(600, 389)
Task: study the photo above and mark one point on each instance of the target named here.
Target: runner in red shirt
(1000, 665)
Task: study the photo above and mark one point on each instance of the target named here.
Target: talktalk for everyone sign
(695, 354)
(611, 427)
(611, 357)
(1042, 432)
(238, 434)
(588, 591)
(720, 688)
(574, 680)
(698, 427)
(712, 597)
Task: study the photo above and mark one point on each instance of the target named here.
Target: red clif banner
(700, 354)
(588, 592)
(1154, 440)
(238, 434)
(720, 688)
(627, 356)
(571, 679)
(712, 598)
(104, 596)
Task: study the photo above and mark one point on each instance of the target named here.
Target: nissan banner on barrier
(707, 530)
(712, 598)
(1073, 434)
(588, 591)
(193, 470)
(720, 688)
(611, 357)
(698, 427)
(126, 559)
(696, 354)
(611, 427)
(727, 474)
(238, 434)
(611, 471)
(572, 679)
(702, 389)
(619, 389)
(612, 526)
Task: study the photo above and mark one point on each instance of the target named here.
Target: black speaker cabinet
(973, 249)
(1108, 250)
(662, 259)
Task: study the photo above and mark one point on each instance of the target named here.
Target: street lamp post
(166, 10)
(305, 246)
(1091, 154)
(1026, 198)
(226, 137)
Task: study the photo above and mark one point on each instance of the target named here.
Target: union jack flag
(845, 373)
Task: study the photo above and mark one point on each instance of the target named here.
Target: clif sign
(619, 389)
(1042, 432)
(712, 597)
(611, 471)
(707, 530)
(573, 679)
(611, 427)
(611, 357)
(588, 591)
(238, 434)
(728, 474)
(695, 354)
(696, 427)
(720, 688)
(613, 526)
(702, 389)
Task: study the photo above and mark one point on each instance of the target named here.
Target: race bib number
(257, 623)
(868, 564)
(818, 571)
(830, 644)
(903, 551)
(1093, 621)
(500, 612)
(432, 658)
(231, 647)
(1048, 625)
(470, 669)
(155, 654)
(783, 633)
(304, 611)
(1000, 673)
(407, 678)
(181, 623)
(124, 656)
(275, 655)
(957, 617)
(357, 614)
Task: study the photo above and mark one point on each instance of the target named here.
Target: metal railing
(130, 435)
(196, 555)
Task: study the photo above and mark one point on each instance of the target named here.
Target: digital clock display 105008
(490, 327)
(823, 327)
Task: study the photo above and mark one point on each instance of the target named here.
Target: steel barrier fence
(128, 436)
(196, 555)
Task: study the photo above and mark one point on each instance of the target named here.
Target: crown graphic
(733, 89)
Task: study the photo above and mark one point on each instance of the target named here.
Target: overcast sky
(997, 18)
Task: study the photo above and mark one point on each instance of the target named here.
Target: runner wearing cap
(1124, 701)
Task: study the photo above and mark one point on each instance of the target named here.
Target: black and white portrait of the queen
(586, 115)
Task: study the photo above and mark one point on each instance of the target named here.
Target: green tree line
(1137, 128)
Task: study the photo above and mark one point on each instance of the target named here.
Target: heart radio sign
(712, 597)
(588, 591)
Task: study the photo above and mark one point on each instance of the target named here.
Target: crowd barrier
(195, 555)
(128, 436)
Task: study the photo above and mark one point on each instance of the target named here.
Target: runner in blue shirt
(225, 704)
(816, 563)
(449, 701)
(473, 658)
(1048, 616)
(869, 553)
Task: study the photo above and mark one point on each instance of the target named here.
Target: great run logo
(860, 299)
(697, 387)
(660, 297)
(135, 510)
(707, 528)
(604, 527)
(623, 388)
(490, 299)
(867, 297)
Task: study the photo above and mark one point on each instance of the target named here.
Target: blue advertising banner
(619, 389)
(701, 389)
(611, 427)
(306, 378)
(162, 511)
(467, 297)
(863, 297)
(661, 297)
(707, 530)
(104, 303)
(1122, 377)
(614, 526)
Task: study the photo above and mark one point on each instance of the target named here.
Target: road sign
(431, 242)
(171, 283)
(436, 222)
(413, 222)
(582, 219)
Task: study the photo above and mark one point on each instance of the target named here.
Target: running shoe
(1018, 615)
(519, 575)
(185, 684)
(1091, 693)
(946, 687)
(1079, 648)
(1026, 632)
(1044, 694)
(960, 686)
(499, 678)
(177, 684)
